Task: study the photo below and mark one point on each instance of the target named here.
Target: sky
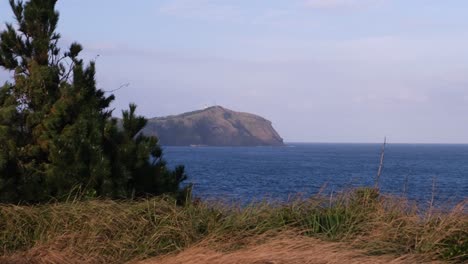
(320, 70)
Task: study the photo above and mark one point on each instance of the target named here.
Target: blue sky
(320, 70)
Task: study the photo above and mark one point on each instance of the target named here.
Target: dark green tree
(56, 131)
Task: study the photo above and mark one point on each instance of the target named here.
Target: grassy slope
(115, 232)
(283, 248)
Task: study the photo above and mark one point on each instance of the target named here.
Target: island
(213, 126)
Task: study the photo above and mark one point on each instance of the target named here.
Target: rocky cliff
(213, 126)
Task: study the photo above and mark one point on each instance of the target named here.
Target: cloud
(230, 11)
(200, 9)
(337, 4)
(284, 18)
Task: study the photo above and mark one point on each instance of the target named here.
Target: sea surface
(421, 172)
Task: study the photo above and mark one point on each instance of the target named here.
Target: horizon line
(401, 143)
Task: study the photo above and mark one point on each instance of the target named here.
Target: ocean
(245, 174)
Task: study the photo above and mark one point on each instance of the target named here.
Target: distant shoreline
(288, 144)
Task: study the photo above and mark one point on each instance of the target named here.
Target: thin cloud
(338, 4)
(200, 9)
(229, 11)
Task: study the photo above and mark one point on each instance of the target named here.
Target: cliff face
(213, 126)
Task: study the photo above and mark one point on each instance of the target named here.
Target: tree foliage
(56, 131)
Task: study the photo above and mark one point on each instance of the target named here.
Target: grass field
(104, 231)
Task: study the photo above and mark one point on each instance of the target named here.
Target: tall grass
(115, 232)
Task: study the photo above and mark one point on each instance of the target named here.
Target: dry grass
(102, 231)
(284, 248)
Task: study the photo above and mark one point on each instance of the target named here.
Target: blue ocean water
(245, 174)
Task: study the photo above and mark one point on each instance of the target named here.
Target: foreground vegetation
(105, 231)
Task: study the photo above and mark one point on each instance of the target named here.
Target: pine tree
(56, 132)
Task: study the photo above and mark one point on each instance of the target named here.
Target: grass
(119, 231)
